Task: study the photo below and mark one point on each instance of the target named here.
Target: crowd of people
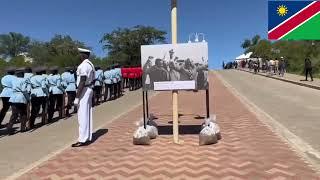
(27, 90)
(271, 67)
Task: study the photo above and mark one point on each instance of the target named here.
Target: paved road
(248, 149)
(23, 149)
(296, 108)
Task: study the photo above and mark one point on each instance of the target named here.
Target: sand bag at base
(152, 132)
(141, 137)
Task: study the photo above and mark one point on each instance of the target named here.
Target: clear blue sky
(225, 23)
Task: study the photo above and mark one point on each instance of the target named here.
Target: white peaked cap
(81, 50)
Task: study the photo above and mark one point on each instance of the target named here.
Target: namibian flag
(294, 20)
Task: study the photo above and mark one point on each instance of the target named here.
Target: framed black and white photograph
(175, 66)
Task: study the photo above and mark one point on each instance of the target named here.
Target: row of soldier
(28, 90)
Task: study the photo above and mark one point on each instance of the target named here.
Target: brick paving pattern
(248, 149)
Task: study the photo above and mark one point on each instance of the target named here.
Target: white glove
(76, 102)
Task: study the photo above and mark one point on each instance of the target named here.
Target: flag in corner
(294, 20)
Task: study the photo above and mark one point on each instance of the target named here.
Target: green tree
(124, 44)
(18, 61)
(12, 44)
(60, 51)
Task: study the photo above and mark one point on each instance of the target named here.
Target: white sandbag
(207, 136)
(152, 132)
(141, 137)
(215, 127)
(212, 123)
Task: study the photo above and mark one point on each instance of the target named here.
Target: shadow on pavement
(4, 132)
(183, 129)
(96, 135)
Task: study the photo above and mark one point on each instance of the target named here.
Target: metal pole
(144, 110)
(147, 104)
(208, 103)
(174, 93)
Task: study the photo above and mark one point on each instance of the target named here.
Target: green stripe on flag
(310, 30)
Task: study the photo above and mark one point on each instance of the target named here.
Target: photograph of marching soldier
(85, 83)
(97, 85)
(56, 91)
(7, 92)
(183, 62)
(39, 94)
(19, 100)
(69, 81)
(107, 84)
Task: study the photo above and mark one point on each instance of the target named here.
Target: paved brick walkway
(248, 149)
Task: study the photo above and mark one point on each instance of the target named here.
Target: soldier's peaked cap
(20, 70)
(82, 50)
(54, 68)
(39, 69)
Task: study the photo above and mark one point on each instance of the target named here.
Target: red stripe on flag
(294, 21)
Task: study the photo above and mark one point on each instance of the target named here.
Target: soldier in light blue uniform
(97, 85)
(6, 93)
(39, 93)
(56, 92)
(107, 84)
(119, 79)
(28, 73)
(19, 100)
(114, 82)
(69, 81)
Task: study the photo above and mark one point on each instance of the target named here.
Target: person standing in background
(308, 68)
(282, 67)
(7, 92)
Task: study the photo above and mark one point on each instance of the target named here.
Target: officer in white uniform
(85, 83)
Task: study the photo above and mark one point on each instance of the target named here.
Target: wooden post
(174, 35)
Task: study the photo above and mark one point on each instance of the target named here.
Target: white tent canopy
(244, 56)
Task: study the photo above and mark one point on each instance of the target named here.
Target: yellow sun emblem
(282, 10)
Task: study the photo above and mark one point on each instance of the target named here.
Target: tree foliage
(123, 44)
(60, 51)
(12, 44)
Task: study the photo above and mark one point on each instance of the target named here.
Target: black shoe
(2, 126)
(11, 132)
(78, 144)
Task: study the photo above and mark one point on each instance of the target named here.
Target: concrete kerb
(49, 156)
(302, 148)
(285, 80)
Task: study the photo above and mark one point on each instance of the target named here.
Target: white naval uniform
(87, 69)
